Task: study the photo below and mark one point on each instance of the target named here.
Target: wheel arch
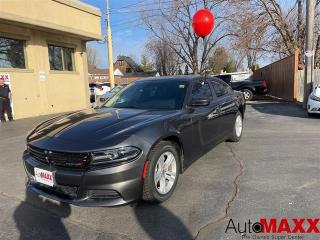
(241, 108)
(252, 89)
(175, 139)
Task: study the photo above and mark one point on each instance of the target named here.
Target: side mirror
(200, 102)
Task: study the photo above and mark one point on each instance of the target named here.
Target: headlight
(314, 97)
(116, 155)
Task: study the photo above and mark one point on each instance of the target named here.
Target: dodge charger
(135, 145)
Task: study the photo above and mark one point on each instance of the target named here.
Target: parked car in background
(112, 92)
(135, 145)
(98, 89)
(102, 88)
(92, 92)
(314, 102)
(242, 81)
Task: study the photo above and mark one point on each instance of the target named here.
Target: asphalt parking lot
(272, 172)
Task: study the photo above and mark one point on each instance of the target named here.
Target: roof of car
(174, 78)
(232, 73)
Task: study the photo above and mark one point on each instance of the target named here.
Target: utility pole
(309, 51)
(109, 41)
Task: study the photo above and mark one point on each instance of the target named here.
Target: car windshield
(153, 94)
(115, 89)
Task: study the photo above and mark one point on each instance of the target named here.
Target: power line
(128, 6)
(136, 5)
(134, 20)
(151, 10)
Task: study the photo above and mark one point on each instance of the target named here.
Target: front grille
(38, 154)
(65, 192)
(103, 194)
(60, 159)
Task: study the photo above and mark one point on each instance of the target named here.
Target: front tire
(163, 172)
(237, 128)
(311, 115)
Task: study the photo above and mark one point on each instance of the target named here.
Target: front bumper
(112, 186)
(313, 106)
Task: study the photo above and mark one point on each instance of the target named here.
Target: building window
(61, 58)
(121, 62)
(12, 53)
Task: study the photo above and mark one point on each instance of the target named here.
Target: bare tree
(164, 58)
(145, 64)
(317, 53)
(171, 22)
(220, 60)
(277, 27)
(93, 56)
(247, 36)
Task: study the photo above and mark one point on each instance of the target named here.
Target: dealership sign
(275, 226)
(309, 53)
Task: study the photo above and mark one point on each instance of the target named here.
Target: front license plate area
(43, 176)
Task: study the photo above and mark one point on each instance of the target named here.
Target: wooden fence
(281, 77)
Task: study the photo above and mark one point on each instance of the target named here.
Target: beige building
(43, 54)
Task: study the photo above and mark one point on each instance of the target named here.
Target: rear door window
(220, 88)
(201, 90)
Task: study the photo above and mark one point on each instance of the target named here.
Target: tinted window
(225, 78)
(220, 88)
(201, 89)
(153, 94)
(11, 53)
(116, 89)
(60, 58)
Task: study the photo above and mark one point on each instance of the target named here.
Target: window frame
(210, 88)
(24, 40)
(219, 81)
(63, 46)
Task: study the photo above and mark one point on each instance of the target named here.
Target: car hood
(96, 124)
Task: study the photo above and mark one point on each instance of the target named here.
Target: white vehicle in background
(98, 89)
(314, 101)
(102, 88)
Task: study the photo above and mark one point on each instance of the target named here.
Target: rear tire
(237, 128)
(248, 94)
(159, 190)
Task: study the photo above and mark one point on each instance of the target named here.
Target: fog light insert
(103, 194)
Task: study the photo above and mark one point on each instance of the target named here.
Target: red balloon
(203, 22)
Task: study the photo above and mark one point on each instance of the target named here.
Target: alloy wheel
(165, 173)
(238, 125)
